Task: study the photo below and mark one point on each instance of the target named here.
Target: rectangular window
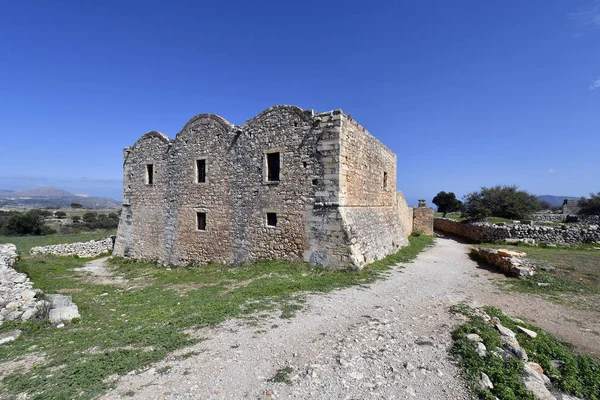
(149, 174)
(201, 221)
(271, 219)
(200, 171)
(385, 179)
(273, 167)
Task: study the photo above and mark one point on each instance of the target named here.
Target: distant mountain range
(555, 200)
(52, 197)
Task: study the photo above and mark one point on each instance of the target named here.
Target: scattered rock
(485, 381)
(528, 332)
(63, 308)
(9, 336)
(473, 337)
(481, 349)
(504, 331)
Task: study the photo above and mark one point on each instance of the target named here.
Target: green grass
(458, 217)
(25, 243)
(495, 220)
(579, 376)
(577, 269)
(123, 329)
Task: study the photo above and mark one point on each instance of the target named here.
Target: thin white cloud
(595, 85)
(551, 171)
(587, 18)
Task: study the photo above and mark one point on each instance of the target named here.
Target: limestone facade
(289, 184)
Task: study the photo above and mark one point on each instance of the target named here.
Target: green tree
(89, 218)
(76, 205)
(500, 201)
(60, 214)
(590, 206)
(446, 202)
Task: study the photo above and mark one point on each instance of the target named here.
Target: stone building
(288, 184)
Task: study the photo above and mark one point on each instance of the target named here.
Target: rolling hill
(52, 197)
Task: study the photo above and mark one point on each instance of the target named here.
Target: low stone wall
(486, 232)
(92, 248)
(17, 298)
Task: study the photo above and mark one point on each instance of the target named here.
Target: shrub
(28, 223)
(590, 206)
(60, 214)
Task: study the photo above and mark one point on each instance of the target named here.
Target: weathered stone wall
(548, 217)
(570, 207)
(423, 220)
(331, 204)
(92, 248)
(406, 214)
(367, 195)
(486, 232)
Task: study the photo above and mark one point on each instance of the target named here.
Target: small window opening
(271, 219)
(200, 171)
(315, 182)
(295, 123)
(273, 167)
(150, 174)
(201, 221)
(385, 179)
(304, 164)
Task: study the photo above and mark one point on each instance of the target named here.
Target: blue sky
(467, 93)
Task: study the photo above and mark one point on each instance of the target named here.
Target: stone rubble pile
(92, 248)
(534, 378)
(19, 301)
(488, 232)
(511, 262)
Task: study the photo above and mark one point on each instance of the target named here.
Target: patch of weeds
(288, 310)
(274, 326)
(235, 346)
(282, 375)
(164, 370)
(187, 355)
(129, 393)
(579, 375)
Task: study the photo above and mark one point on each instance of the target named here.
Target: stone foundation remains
(289, 184)
(510, 262)
(89, 249)
(487, 232)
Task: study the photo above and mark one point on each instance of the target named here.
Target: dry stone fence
(488, 232)
(92, 248)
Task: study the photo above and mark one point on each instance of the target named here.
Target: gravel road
(387, 341)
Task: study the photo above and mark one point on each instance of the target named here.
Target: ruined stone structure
(289, 184)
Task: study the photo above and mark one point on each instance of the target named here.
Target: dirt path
(388, 341)
(96, 271)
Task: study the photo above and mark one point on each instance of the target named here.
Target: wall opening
(273, 167)
(201, 171)
(271, 219)
(385, 180)
(150, 174)
(200, 221)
